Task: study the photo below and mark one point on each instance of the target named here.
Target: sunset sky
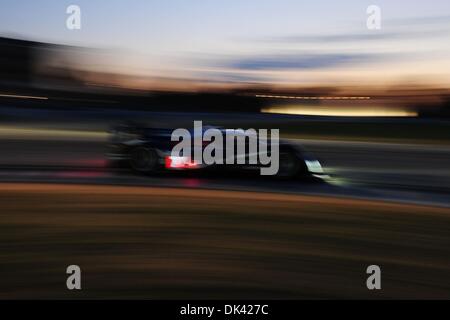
(300, 42)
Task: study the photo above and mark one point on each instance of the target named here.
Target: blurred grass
(136, 242)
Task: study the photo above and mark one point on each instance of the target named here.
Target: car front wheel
(289, 164)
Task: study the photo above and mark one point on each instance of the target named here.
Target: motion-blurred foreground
(135, 242)
(378, 121)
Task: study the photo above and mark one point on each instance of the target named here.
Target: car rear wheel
(143, 159)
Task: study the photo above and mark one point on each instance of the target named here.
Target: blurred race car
(149, 150)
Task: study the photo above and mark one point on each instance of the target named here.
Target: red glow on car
(172, 162)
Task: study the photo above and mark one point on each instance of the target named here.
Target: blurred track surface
(387, 171)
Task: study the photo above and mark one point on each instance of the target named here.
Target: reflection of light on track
(59, 174)
(16, 96)
(52, 134)
(334, 178)
(84, 100)
(191, 182)
(339, 112)
(81, 174)
(91, 163)
(20, 174)
(313, 97)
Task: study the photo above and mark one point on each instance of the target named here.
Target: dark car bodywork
(129, 144)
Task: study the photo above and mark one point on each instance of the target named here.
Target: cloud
(398, 28)
(442, 20)
(358, 37)
(300, 61)
(350, 37)
(231, 76)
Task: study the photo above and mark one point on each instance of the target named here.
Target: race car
(149, 150)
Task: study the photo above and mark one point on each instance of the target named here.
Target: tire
(290, 165)
(143, 160)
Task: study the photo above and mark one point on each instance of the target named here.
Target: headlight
(314, 166)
